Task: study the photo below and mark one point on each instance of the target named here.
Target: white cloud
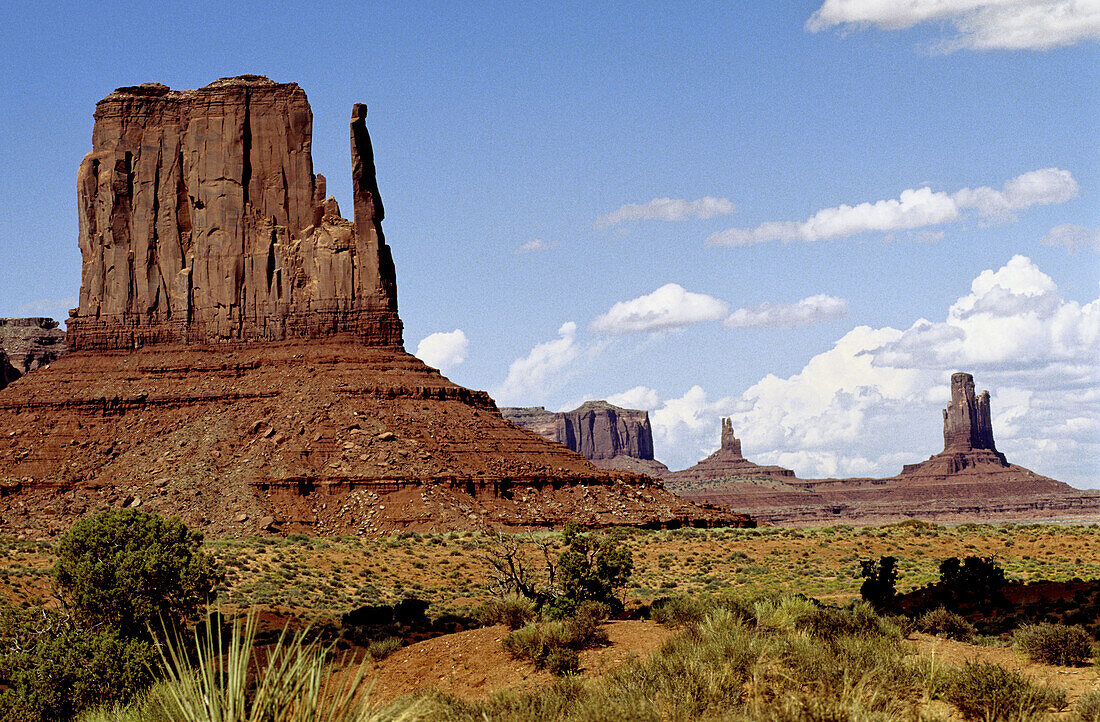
(532, 246)
(541, 369)
(639, 397)
(872, 402)
(979, 24)
(913, 208)
(669, 307)
(443, 350)
(1073, 237)
(808, 311)
(667, 209)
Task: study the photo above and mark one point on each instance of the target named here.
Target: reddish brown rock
(607, 435)
(27, 344)
(968, 481)
(723, 465)
(209, 253)
(201, 221)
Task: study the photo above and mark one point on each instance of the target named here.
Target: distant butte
(238, 360)
(609, 436)
(969, 480)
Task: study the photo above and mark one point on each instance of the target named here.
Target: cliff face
(27, 344)
(201, 221)
(596, 429)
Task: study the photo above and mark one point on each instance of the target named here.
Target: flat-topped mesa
(966, 420)
(201, 221)
(596, 430)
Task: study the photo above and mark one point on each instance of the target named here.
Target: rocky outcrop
(725, 465)
(967, 434)
(27, 344)
(605, 434)
(968, 481)
(201, 221)
(210, 254)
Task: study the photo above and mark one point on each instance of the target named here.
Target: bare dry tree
(511, 571)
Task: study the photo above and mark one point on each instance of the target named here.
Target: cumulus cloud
(540, 370)
(1073, 237)
(639, 397)
(669, 307)
(978, 24)
(532, 246)
(872, 402)
(808, 311)
(443, 350)
(667, 209)
(912, 209)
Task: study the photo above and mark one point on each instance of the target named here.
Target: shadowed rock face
(596, 429)
(27, 344)
(201, 220)
(966, 421)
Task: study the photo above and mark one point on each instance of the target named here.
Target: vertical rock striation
(966, 421)
(201, 221)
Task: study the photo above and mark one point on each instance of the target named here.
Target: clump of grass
(1054, 643)
(513, 612)
(1088, 707)
(943, 623)
(989, 692)
(679, 611)
(382, 648)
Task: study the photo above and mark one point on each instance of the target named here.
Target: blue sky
(832, 174)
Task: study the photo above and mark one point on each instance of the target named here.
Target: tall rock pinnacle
(201, 221)
(966, 420)
(730, 443)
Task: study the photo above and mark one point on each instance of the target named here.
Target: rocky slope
(27, 344)
(969, 480)
(238, 356)
(607, 435)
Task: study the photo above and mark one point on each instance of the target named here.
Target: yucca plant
(295, 681)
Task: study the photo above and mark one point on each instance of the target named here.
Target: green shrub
(592, 567)
(989, 692)
(879, 579)
(562, 660)
(1088, 707)
(554, 645)
(974, 579)
(1053, 643)
(943, 623)
(513, 612)
(129, 570)
(678, 611)
(833, 622)
(66, 673)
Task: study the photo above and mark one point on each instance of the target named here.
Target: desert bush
(989, 692)
(131, 571)
(832, 622)
(65, 673)
(943, 623)
(974, 579)
(1088, 707)
(1053, 643)
(554, 645)
(513, 612)
(593, 567)
(879, 579)
(679, 611)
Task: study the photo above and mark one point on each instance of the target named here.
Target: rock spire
(202, 221)
(966, 421)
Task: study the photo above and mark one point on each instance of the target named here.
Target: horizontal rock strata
(27, 344)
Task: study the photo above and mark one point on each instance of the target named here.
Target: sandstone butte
(236, 355)
(609, 436)
(27, 344)
(970, 480)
